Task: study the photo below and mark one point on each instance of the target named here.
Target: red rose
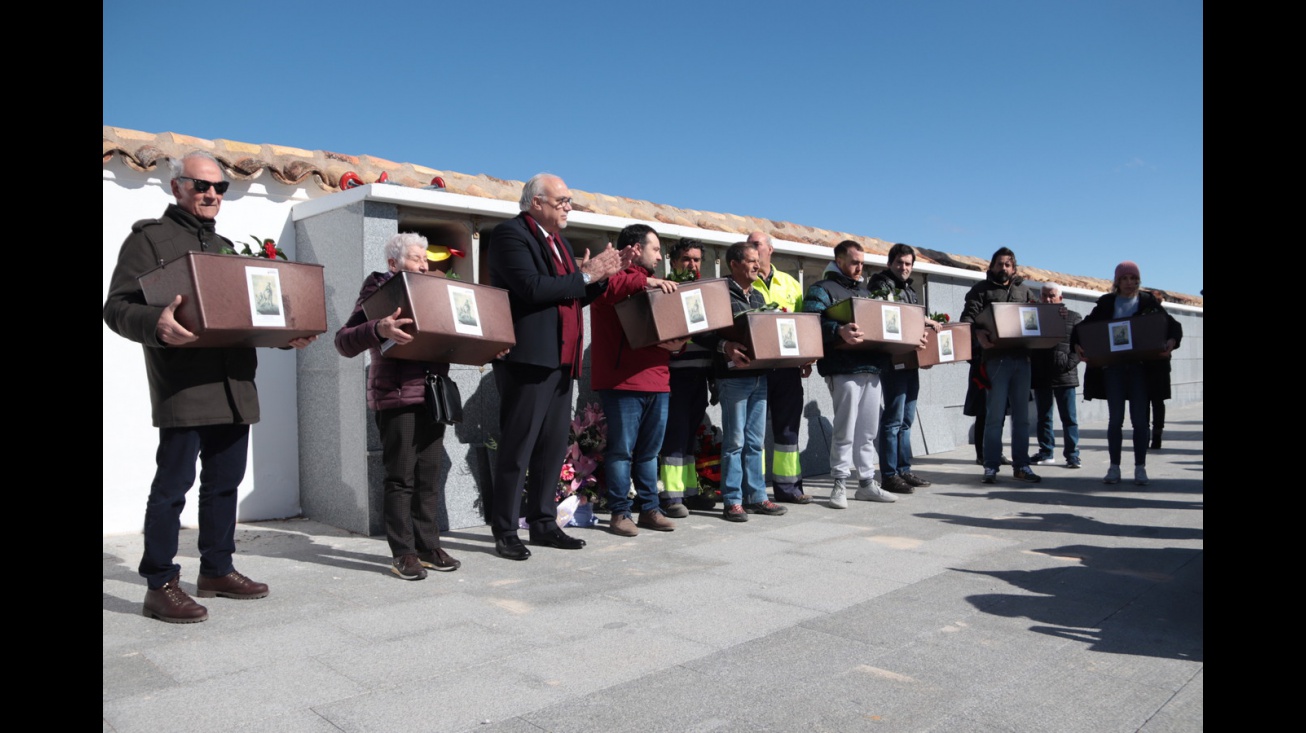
(270, 249)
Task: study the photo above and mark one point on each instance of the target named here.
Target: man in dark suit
(547, 288)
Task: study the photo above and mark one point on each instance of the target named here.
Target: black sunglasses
(202, 186)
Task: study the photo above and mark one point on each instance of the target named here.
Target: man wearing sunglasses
(203, 401)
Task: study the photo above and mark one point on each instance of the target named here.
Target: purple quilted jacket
(391, 383)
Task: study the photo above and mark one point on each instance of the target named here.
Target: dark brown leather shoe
(915, 480)
(656, 520)
(171, 604)
(897, 485)
(231, 585)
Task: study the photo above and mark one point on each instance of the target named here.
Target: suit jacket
(521, 263)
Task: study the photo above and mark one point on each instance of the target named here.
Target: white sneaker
(1112, 475)
(869, 490)
(1140, 476)
(839, 495)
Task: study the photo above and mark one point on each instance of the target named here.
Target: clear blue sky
(1068, 130)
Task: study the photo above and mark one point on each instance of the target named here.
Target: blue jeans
(636, 422)
(743, 427)
(901, 387)
(1064, 397)
(1010, 378)
(1126, 382)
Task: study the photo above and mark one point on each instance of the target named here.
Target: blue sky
(1068, 130)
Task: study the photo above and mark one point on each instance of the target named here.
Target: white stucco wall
(271, 488)
(271, 485)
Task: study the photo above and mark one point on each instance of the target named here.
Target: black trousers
(410, 450)
(784, 402)
(534, 419)
(221, 450)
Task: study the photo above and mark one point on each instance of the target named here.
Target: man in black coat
(203, 401)
(547, 288)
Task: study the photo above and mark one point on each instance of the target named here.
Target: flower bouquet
(267, 249)
(940, 317)
(888, 293)
(708, 461)
(683, 276)
(580, 477)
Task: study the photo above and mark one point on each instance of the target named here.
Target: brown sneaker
(171, 604)
(656, 520)
(622, 524)
(766, 507)
(408, 567)
(734, 513)
(231, 585)
(438, 559)
(897, 484)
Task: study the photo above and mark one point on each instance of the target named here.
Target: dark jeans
(901, 388)
(221, 450)
(1126, 382)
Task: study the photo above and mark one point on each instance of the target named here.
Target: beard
(1001, 278)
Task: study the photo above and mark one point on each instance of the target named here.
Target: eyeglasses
(202, 186)
(560, 203)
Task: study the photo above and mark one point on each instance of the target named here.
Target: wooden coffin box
(951, 345)
(653, 316)
(454, 321)
(1023, 325)
(232, 300)
(1124, 339)
(888, 326)
(775, 339)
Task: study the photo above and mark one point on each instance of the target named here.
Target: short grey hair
(397, 248)
(178, 165)
(533, 188)
(1051, 289)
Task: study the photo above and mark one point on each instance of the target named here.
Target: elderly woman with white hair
(410, 438)
(1131, 381)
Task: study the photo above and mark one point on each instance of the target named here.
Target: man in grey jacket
(203, 401)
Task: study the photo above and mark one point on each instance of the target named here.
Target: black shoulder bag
(443, 400)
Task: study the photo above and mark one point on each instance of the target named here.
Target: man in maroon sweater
(633, 387)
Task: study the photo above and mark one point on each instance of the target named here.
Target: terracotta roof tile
(143, 151)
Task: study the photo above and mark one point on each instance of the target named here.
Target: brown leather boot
(231, 585)
(621, 524)
(171, 604)
(656, 520)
